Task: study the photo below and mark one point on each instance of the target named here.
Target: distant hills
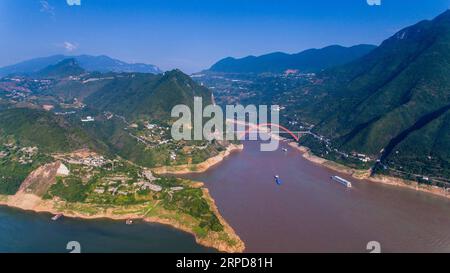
(89, 63)
(133, 95)
(311, 60)
(64, 68)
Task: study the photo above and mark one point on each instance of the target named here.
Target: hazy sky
(193, 34)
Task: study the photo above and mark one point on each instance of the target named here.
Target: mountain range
(311, 60)
(64, 68)
(89, 63)
(129, 97)
(392, 103)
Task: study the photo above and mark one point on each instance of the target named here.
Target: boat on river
(342, 181)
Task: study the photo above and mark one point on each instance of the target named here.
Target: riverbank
(366, 174)
(225, 241)
(27, 198)
(201, 167)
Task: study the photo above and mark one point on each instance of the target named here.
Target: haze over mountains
(311, 60)
(390, 102)
(90, 63)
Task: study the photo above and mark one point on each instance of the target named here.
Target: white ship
(57, 216)
(342, 181)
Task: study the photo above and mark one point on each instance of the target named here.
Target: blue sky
(193, 34)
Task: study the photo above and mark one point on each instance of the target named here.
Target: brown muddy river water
(311, 213)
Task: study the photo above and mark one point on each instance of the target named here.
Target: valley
(91, 137)
(385, 112)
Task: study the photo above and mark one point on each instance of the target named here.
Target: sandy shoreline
(31, 202)
(365, 174)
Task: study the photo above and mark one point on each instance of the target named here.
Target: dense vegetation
(65, 68)
(130, 130)
(391, 104)
(188, 200)
(135, 96)
(48, 132)
(70, 189)
(13, 172)
(144, 95)
(191, 201)
(395, 100)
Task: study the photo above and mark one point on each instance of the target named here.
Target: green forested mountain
(128, 98)
(65, 68)
(146, 95)
(311, 60)
(396, 99)
(48, 132)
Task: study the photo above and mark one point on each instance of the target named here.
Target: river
(29, 232)
(311, 213)
(308, 213)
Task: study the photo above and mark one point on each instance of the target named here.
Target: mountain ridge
(148, 95)
(310, 60)
(101, 63)
(64, 68)
(392, 103)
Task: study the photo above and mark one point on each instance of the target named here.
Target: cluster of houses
(16, 95)
(77, 104)
(91, 160)
(145, 185)
(24, 155)
(119, 185)
(28, 152)
(154, 135)
(19, 89)
(114, 185)
(362, 157)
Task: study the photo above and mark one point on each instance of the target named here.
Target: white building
(88, 119)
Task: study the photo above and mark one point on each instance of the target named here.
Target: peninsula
(85, 185)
